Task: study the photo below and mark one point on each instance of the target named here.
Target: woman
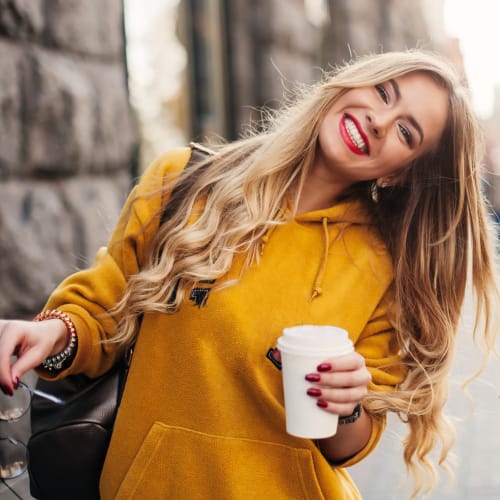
(359, 207)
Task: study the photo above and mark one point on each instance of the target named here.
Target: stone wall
(67, 141)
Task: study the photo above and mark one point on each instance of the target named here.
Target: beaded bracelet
(56, 361)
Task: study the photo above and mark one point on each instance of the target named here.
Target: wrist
(57, 330)
(349, 419)
(348, 441)
(65, 346)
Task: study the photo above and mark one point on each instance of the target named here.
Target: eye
(383, 94)
(406, 134)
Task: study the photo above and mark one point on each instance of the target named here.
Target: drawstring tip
(317, 290)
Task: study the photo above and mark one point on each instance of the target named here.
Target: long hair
(434, 223)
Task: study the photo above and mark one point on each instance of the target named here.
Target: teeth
(355, 136)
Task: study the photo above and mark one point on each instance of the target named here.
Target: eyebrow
(411, 119)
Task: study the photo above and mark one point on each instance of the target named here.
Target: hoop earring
(374, 191)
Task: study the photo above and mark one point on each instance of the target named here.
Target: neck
(319, 191)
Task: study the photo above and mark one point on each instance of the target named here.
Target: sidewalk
(381, 475)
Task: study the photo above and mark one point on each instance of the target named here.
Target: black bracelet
(349, 419)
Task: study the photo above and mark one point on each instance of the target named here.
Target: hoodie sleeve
(377, 343)
(86, 296)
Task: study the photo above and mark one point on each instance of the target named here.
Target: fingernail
(324, 367)
(313, 377)
(16, 382)
(6, 390)
(314, 391)
(322, 403)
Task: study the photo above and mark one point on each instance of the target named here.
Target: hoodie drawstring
(264, 239)
(317, 290)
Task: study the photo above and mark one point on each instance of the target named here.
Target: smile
(353, 136)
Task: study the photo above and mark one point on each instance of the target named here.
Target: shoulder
(168, 166)
(147, 195)
(169, 163)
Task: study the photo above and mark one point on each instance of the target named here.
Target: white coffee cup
(302, 349)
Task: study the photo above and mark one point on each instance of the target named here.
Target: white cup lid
(314, 340)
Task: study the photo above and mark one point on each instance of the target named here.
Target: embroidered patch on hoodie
(199, 294)
(274, 356)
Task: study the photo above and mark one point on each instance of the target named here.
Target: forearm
(349, 439)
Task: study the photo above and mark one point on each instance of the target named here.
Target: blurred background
(91, 91)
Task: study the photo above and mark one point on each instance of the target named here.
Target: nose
(379, 122)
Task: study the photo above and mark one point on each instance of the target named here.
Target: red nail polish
(324, 367)
(322, 403)
(6, 390)
(314, 391)
(313, 377)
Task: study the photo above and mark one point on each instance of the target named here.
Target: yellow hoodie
(202, 414)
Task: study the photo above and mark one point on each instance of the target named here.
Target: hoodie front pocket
(182, 464)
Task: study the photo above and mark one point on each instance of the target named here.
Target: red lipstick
(346, 136)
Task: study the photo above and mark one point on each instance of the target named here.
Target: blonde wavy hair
(434, 222)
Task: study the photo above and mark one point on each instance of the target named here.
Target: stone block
(86, 27)
(60, 109)
(48, 231)
(10, 107)
(22, 18)
(115, 127)
(78, 116)
(95, 203)
(91, 27)
(36, 245)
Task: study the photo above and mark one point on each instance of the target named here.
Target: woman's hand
(338, 386)
(340, 383)
(31, 342)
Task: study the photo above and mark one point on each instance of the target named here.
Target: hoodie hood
(346, 213)
(349, 212)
